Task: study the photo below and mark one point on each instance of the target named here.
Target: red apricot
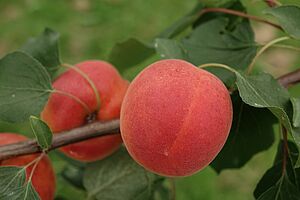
(43, 178)
(76, 101)
(175, 118)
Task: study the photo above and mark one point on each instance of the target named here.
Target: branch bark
(96, 129)
(290, 79)
(89, 131)
(271, 3)
(240, 14)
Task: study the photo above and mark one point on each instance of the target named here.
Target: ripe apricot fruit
(43, 177)
(75, 104)
(175, 118)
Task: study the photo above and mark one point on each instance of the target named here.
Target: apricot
(175, 118)
(63, 112)
(43, 178)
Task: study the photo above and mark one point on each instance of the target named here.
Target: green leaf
(283, 190)
(129, 53)
(42, 132)
(181, 24)
(13, 186)
(212, 42)
(281, 183)
(288, 17)
(26, 192)
(118, 177)
(44, 48)
(296, 111)
(24, 87)
(11, 178)
(263, 91)
(167, 48)
(249, 126)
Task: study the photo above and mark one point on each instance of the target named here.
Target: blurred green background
(89, 29)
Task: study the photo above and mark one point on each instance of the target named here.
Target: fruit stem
(36, 162)
(263, 49)
(87, 78)
(219, 66)
(273, 3)
(87, 109)
(173, 189)
(285, 47)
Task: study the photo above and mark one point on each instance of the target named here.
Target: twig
(272, 3)
(240, 14)
(263, 49)
(62, 139)
(290, 79)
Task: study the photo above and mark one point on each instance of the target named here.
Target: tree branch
(86, 132)
(240, 14)
(290, 79)
(272, 3)
(96, 129)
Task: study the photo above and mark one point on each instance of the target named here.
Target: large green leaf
(118, 177)
(42, 132)
(168, 48)
(11, 178)
(44, 48)
(281, 181)
(13, 185)
(183, 23)
(282, 190)
(263, 91)
(288, 17)
(129, 53)
(24, 87)
(212, 42)
(249, 126)
(26, 192)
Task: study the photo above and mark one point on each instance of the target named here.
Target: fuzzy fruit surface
(63, 113)
(175, 118)
(43, 178)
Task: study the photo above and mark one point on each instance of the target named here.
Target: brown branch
(88, 131)
(240, 14)
(96, 129)
(271, 3)
(290, 79)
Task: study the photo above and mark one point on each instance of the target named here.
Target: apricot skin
(63, 113)
(175, 118)
(43, 178)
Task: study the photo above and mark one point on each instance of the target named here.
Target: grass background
(89, 29)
